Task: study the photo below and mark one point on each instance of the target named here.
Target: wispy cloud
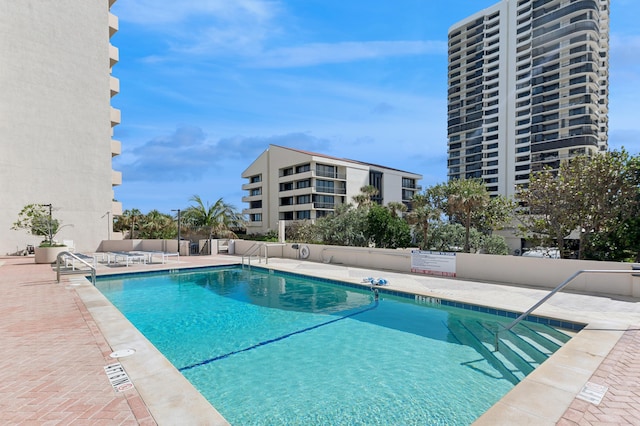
(331, 53)
(158, 13)
(188, 154)
(246, 30)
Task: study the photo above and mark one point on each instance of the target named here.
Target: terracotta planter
(48, 254)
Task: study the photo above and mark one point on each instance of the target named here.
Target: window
(255, 179)
(255, 204)
(323, 201)
(303, 168)
(255, 191)
(286, 186)
(303, 183)
(256, 217)
(326, 171)
(304, 214)
(303, 199)
(325, 186)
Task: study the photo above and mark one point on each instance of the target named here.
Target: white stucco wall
(55, 130)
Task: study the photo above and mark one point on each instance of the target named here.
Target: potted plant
(37, 219)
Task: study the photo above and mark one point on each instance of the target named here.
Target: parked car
(543, 252)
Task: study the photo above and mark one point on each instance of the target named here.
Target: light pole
(178, 210)
(108, 225)
(49, 222)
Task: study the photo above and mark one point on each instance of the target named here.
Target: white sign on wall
(433, 263)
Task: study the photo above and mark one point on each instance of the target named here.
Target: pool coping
(541, 398)
(168, 395)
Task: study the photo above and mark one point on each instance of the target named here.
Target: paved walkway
(620, 372)
(52, 356)
(54, 346)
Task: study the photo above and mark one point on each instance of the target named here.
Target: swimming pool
(275, 348)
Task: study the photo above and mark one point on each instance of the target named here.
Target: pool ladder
(554, 291)
(257, 247)
(59, 261)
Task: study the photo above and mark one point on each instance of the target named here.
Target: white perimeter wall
(526, 271)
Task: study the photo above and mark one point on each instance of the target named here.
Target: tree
(219, 219)
(128, 221)
(346, 226)
(156, 225)
(364, 199)
(427, 210)
(37, 220)
(385, 229)
(606, 192)
(595, 196)
(464, 198)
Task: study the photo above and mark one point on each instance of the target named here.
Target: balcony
(325, 206)
(113, 24)
(332, 175)
(252, 211)
(114, 55)
(115, 117)
(329, 190)
(116, 148)
(116, 208)
(251, 185)
(249, 198)
(114, 85)
(116, 178)
(412, 186)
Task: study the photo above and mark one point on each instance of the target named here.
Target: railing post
(557, 289)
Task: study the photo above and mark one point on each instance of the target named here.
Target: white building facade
(56, 119)
(528, 88)
(288, 184)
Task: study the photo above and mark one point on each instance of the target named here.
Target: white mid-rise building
(286, 184)
(528, 87)
(56, 118)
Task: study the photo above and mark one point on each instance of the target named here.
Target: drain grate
(118, 377)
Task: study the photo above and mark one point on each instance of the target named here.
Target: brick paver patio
(52, 356)
(52, 359)
(620, 372)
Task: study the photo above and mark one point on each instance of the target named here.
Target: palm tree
(158, 226)
(427, 208)
(397, 208)
(128, 220)
(364, 198)
(464, 197)
(219, 219)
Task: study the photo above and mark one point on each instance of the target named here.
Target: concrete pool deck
(56, 340)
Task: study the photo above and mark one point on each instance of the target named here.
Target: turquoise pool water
(269, 348)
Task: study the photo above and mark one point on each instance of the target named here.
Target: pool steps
(521, 350)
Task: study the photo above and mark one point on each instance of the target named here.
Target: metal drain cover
(122, 353)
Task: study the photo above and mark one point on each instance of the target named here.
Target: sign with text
(433, 263)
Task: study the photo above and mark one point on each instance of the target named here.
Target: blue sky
(207, 85)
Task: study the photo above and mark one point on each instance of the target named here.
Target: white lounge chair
(71, 260)
(127, 257)
(164, 255)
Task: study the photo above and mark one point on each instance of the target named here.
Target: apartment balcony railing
(330, 206)
(329, 190)
(333, 175)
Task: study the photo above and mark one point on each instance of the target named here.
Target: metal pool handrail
(68, 253)
(557, 289)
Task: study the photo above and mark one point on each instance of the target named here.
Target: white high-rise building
(286, 184)
(528, 87)
(56, 119)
